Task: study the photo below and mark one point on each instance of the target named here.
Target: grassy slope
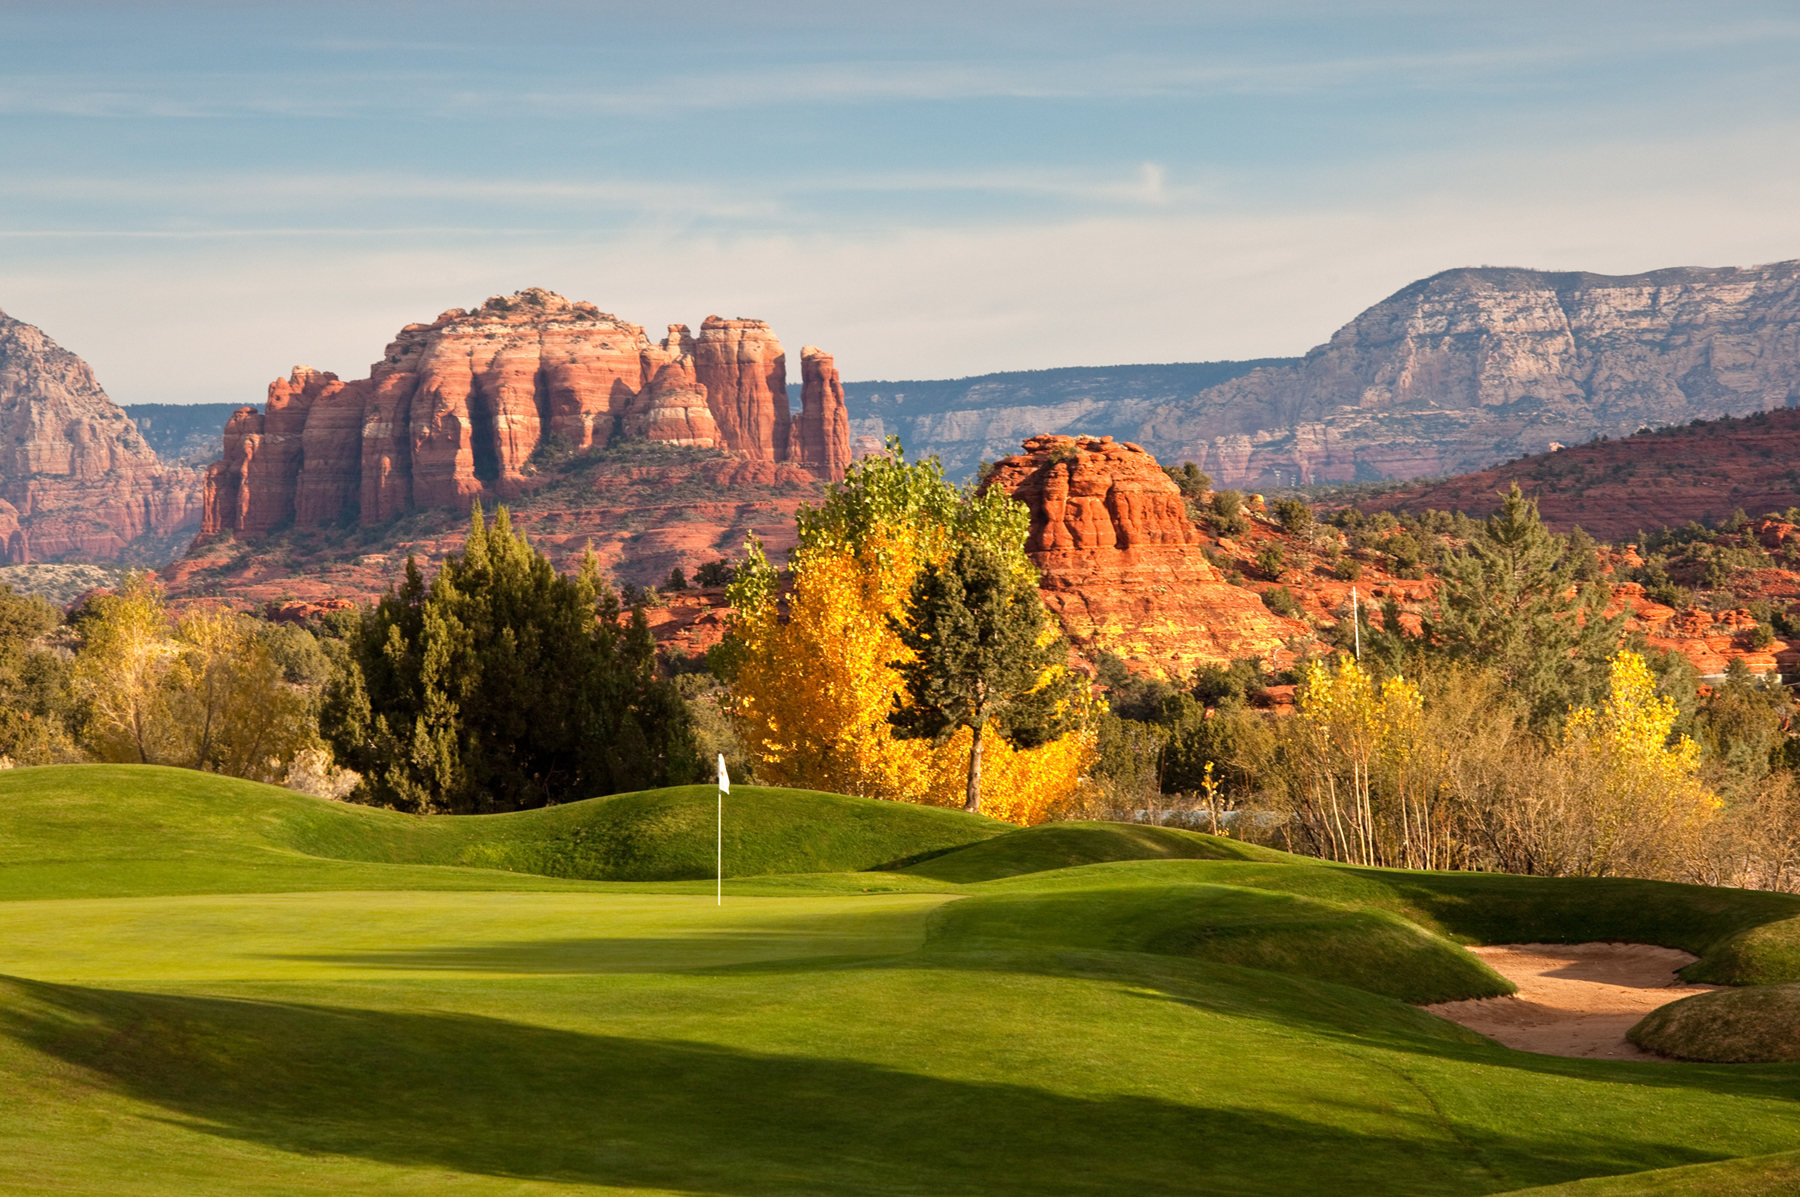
(1760, 1024)
(1759, 1176)
(94, 830)
(1066, 845)
(1070, 1031)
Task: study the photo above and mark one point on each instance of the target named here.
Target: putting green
(254, 937)
(1161, 1025)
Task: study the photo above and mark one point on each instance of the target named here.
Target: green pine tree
(1512, 600)
(504, 686)
(982, 655)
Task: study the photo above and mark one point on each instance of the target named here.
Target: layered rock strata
(456, 410)
(1122, 564)
(76, 478)
(1471, 367)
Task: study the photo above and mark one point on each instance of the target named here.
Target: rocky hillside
(77, 479)
(644, 508)
(1123, 565)
(1615, 489)
(1470, 367)
(466, 407)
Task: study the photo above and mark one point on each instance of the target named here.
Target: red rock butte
(1122, 564)
(77, 480)
(456, 409)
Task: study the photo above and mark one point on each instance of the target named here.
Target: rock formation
(1471, 367)
(457, 408)
(822, 441)
(1122, 564)
(76, 478)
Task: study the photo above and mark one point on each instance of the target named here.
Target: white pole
(1356, 624)
(724, 789)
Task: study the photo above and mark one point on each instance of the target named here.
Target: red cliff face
(456, 408)
(744, 371)
(821, 439)
(76, 478)
(1121, 563)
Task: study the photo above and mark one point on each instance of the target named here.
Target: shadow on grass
(600, 955)
(1340, 1014)
(485, 1096)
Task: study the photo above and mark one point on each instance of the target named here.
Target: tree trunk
(974, 799)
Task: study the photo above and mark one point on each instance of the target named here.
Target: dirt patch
(1575, 999)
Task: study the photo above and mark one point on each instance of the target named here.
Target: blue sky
(198, 196)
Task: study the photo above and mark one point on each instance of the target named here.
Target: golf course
(210, 986)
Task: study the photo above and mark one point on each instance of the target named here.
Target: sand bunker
(1575, 999)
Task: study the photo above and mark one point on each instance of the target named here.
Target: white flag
(724, 777)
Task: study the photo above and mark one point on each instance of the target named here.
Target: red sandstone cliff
(456, 408)
(76, 478)
(1121, 562)
(821, 440)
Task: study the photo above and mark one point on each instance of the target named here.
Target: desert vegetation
(1507, 725)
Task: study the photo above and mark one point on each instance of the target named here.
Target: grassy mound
(97, 830)
(1757, 1025)
(1065, 845)
(1345, 944)
(1743, 937)
(1775, 1175)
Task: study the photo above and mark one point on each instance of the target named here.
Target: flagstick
(724, 789)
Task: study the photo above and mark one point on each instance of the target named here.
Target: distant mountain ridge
(966, 421)
(1451, 374)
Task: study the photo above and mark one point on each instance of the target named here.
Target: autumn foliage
(817, 676)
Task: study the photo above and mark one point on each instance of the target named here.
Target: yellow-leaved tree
(815, 675)
(1635, 803)
(205, 692)
(1352, 743)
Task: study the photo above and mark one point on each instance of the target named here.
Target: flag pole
(724, 789)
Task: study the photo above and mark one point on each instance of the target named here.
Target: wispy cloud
(315, 90)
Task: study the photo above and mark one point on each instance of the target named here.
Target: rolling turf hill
(209, 987)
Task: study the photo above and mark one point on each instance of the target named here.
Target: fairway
(1073, 1014)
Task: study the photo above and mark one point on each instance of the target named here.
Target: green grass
(1371, 950)
(369, 1011)
(1758, 1025)
(1065, 845)
(1754, 1177)
(148, 830)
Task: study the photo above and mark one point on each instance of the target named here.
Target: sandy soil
(1574, 999)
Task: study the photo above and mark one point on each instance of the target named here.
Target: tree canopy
(859, 553)
(504, 686)
(1512, 600)
(982, 652)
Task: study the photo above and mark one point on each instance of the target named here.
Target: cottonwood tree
(206, 693)
(982, 654)
(34, 683)
(504, 685)
(858, 555)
